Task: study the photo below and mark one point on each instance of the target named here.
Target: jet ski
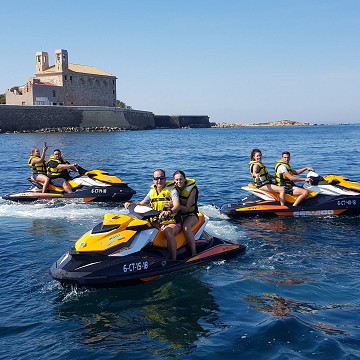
(328, 196)
(129, 249)
(89, 186)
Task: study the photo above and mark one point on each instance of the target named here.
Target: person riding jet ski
(261, 177)
(57, 171)
(159, 196)
(38, 167)
(284, 176)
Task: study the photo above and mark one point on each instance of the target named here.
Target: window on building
(65, 77)
(54, 93)
(70, 78)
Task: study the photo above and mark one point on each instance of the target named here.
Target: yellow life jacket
(157, 202)
(53, 172)
(184, 194)
(279, 178)
(38, 168)
(264, 175)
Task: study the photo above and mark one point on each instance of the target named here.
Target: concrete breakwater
(38, 118)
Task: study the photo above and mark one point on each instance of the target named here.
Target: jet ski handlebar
(142, 212)
(314, 178)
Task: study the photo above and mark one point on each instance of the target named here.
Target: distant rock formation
(274, 123)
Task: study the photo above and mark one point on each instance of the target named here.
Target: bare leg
(276, 189)
(187, 224)
(41, 178)
(170, 232)
(301, 195)
(46, 184)
(66, 186)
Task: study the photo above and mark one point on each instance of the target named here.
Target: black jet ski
(129, 249)
(88, 186)
(329, 195)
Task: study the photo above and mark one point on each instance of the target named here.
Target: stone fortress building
(64, 84)
(77, 96)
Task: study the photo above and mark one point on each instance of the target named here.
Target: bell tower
(42, 61)
(61, 60)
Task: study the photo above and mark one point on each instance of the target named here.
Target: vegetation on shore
(121, 104)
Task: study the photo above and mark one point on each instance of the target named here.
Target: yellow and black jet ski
(89, 186)
(128, 249)
(329, 195)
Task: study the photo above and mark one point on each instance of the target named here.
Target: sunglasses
(159, 178)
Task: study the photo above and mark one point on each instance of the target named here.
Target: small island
(274, 123)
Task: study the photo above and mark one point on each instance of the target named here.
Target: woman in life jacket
(165, 199)
(188, 193)
(262, 178)
(38, 167)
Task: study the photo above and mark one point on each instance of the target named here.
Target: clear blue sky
(238, 61)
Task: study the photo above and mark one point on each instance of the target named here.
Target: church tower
(42, 61)
(61, 60)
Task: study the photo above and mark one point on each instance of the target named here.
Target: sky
(237, 61)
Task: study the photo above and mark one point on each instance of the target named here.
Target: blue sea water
(294, 294)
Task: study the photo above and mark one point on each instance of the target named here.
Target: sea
(294, 294)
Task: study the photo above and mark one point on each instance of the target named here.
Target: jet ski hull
(100, 270)
(321, 205)
(90, 186)
(89, 194)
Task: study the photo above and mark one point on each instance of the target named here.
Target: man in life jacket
(58, 173)
(38, 167)
(166, 199)
(284, 176)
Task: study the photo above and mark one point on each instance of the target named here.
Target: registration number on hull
(136, 266)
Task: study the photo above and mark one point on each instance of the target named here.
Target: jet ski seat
(160, 239)
(288, 198)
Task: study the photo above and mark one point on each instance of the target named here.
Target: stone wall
(115, 117)
(22, 118)
(32, 118)
(181, 121)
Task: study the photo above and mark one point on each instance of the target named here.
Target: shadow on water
(289, 308)
(166, 312)
(289, 272)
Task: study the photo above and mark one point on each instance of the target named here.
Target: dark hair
(57, 150)
(254, 151)
(285, 153)
(160, 170)
(179, 172)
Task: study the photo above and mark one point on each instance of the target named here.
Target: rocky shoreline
(71, 129)
(274, 123)
(117, 129)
